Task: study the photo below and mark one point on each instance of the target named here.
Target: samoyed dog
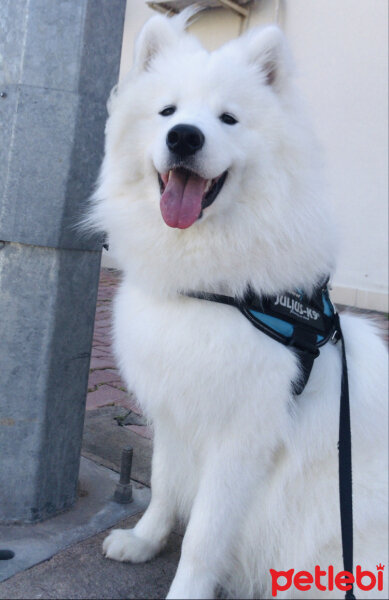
(211, 183)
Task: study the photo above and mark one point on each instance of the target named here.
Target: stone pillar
(58, 62)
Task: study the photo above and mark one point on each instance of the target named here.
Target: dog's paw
(125, 545)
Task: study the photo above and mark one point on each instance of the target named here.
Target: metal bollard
(123, 491)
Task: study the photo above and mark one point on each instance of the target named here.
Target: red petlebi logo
(326, 580)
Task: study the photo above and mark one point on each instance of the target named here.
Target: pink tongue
(181, 200)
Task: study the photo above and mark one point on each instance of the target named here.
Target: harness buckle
(334, 337)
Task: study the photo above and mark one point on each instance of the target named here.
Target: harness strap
(230, 300)
(306, 360)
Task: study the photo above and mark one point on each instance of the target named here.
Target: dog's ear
(266, 48)
(158, 33)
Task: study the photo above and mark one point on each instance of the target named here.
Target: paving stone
(95, 402)
(101, 339)
(103, 355)
(103, 396)
(106, 291)
(130, 403)
(102, 332)
(103, 317)
(105, 331)
(103, 352)
(102, 363)
(103, 308)
(103, 323)
(110, 275)
(142, 430)
(104, 376)
(104, 349)
(106, 316)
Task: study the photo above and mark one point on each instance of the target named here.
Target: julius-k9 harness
(305, 324)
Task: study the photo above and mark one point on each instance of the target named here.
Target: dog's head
(192, 114)
(213, 144)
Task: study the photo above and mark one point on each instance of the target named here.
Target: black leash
(345, 468)
(307, 350)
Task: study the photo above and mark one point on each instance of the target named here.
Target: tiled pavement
(105, 386)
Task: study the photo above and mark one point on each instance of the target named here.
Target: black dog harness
(305, 324)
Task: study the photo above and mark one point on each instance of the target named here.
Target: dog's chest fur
(176, 342)
(207, 379)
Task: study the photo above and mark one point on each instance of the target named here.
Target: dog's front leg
(151, 532)
(227, 485)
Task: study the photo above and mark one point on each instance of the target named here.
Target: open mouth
(184, 195)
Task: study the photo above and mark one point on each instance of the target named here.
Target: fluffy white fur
(251, 469)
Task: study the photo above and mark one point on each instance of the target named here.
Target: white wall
(340, 49)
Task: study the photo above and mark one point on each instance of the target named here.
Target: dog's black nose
(185, 140)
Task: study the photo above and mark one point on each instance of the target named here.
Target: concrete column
(58, 62)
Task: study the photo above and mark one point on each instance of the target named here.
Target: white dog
(211, 183)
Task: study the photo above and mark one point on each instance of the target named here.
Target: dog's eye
(167, 111)
(228, 119)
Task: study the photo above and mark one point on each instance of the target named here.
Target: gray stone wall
(58, 61)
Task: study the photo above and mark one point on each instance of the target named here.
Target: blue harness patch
(291, 318)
